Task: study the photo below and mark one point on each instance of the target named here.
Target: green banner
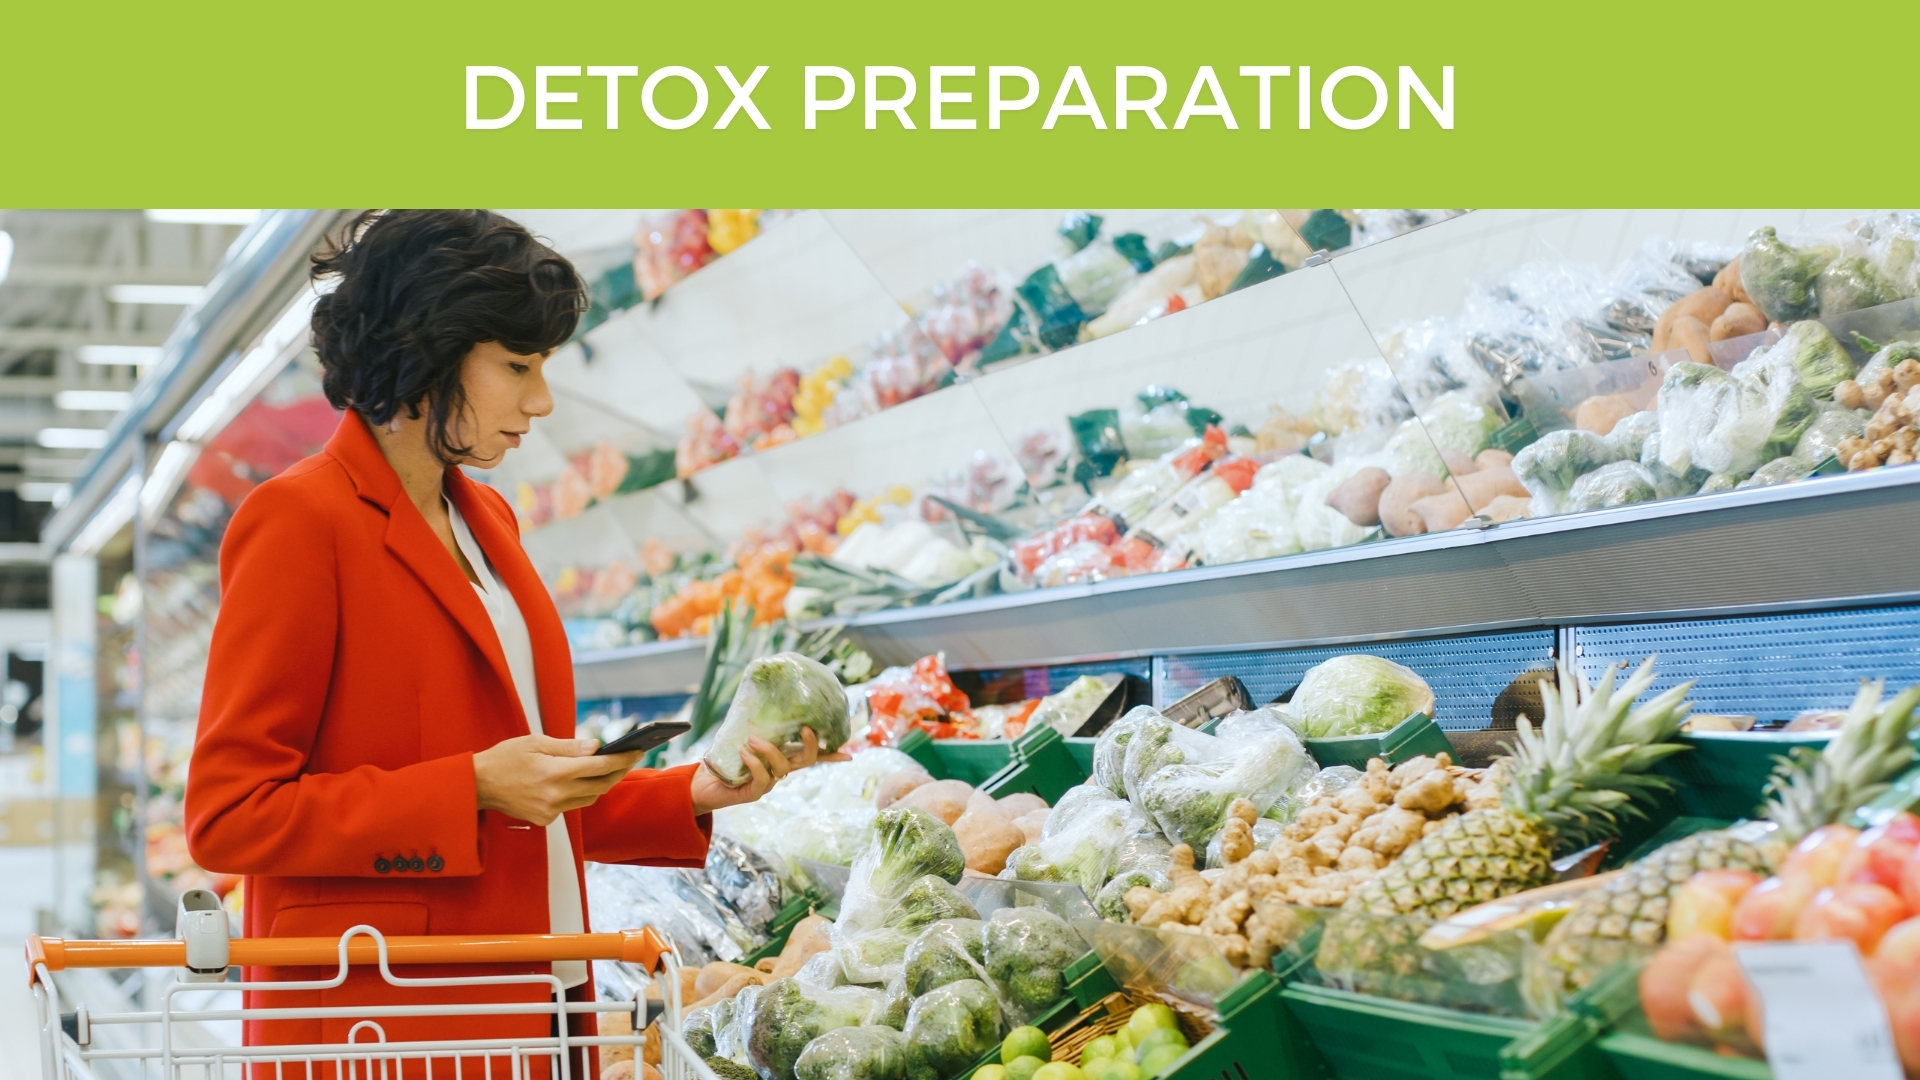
(985, 104)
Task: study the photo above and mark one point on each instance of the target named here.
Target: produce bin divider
(1410, 738)
(1039, 762)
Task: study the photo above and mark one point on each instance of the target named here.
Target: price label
(1823, 1019)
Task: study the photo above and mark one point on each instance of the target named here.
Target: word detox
(961, 98)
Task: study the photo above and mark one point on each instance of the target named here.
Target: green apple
(1147, 1017)
(1059, 1070)
(1026, 1042)
(1106, 1046)
(1160, 1058)
(1024, 1068)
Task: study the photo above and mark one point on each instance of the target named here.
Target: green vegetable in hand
(854, 1053)
(1026, 952)
(945, 952)
(950, 1028)
(1781, 278)
(779, 695)
(787, 1016)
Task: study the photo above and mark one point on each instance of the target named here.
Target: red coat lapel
(413, 543)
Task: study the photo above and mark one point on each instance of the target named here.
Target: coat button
(435, 863)
(417, 864)
(381, 866)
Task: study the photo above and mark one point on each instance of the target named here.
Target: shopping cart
(72, 1046)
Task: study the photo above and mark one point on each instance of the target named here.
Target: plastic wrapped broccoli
(787, 1015)
(1357, 694)
(1159, 743)
(945, 952)
(1189, 802)
(1780, 278)
(1548, 467)
(1110, 749)
(949, 1028)
(1026, 951)
(1778, 471)
(730, 1023)
(854, 1053)
(1823, 363)
(1617, 484)
(1668, 484)
(1722, 482)
(1066, 711)
(1831, 424)
(889, 889)
(1083, 840)
(779, 695)
(927, 901)
(1629, 436)
(1732, 422)
(1111, 901)
(697, 1028)
(1851, 283)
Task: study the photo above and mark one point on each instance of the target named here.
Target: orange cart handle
(641, 947)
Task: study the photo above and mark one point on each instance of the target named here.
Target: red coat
(353, 675)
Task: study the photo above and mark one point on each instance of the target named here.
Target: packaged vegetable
(1823, 363)
(1084, 840)
(1778, 471)
(1026, 952)
(1067, 711)
(1780, 278)
(1457, 420)
(945, 952)
(1831, 424)
(1189, 802)
(1159, 743)
(786, 1015)
(1851, 283)
(874, 1052)
(1110, 750)
(1617, 484)
(1668, 484)
(1549, 467)
(949, 1028)
(1357, 694)
(1732, 421)
(779, 695)
(908, 844)
(1629, 436)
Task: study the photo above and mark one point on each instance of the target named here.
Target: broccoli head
(1110, 750)
(949, 1028)
(945, 952)
(1781, 278)
(927, 901)
(1151, 749)
(873, 955)
(898, 999)
(728, 1069)
(1851, 284)
(697, 1029)
(787, 1016)
(1026, 952)
(854, 1053)
(911, 844)
(1111, 901)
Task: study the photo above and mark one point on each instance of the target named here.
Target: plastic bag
(1111, 903)
(1257, 525)
(670, 901)
(1265, 832)
(1668, 484)
(824, 813)
(1732, 422)
(1110, 749)
(1357, 694)
(1082, 841)
(950, 1028)
(945, 952)
(1831, 424)
(1629, 436)
(1189, 802)
(1067, 711)
(1359, 394)
(1780, 278)
(787, 1015)
(1159, 743)
(854, 1053)
(1850, 283)
(1822, 362)
(745, 881)
(779, 695)
(730, 1023)
(697, 1028)
(1026, 952)
(1548, 467)
(1778, 471)
(908, 844)
(1617, 484)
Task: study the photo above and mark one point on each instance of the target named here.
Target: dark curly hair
(417, 290)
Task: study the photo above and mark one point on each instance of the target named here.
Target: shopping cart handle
(642, 948)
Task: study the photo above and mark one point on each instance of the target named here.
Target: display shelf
(658, 667)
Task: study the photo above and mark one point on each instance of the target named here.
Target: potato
(895, 785)
(715, 975)
(1738, 320)
(1032, 824)
(1456, 462)
(1507, 508)
(982, 803)
(1484, 486)
(1397, 499)
(1443, 511)
(1691, 334)
(1013, 806)
(619, 1070)
(1701, 305)
(807, 940)
(1359, 497)
(1728, 281)
(987, 839)
(944, 799)
(1490, 458)
(1599, 413)
(615, 1023)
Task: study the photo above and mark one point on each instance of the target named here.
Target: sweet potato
(944, 799)
(1728, 281)
(1738, 320)
(615, 1023)
(1599, 413)
(1031, 824)
(1489, 458)
(1397, 499)
(1456, 462)
(986, 839)
(1692, 335)
(808, 939)
(1507, 508)
(1020, 803)
(1481, 488)
(895, 785)
(982, 803)
(1704, 305)
(1359, 497)
(1443, 511)
(714, 975)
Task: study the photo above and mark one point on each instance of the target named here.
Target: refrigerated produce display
(1279, 643)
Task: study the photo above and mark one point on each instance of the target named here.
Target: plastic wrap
(730, 1023)
(1783, 470)
(1110, 902)
(1850, 283)
(1026, 952)
(1067, 711)
(1359, 394)
(1895, 251)
(697, 1027)
(1357, 694)
(949, 1028)
(1617, 484)
(1831, 424)
(1083, 840)
(1733, 421)
(824, 813)
(1629, 435)
(745, 881)
(1822, 362)
(855, 1053)
(1265, 832)
(1159, 743)
(1549, 467)
(779, 695)
(1189, 802)
(787, 1015)
(1780, 278)
(678, 903)
(889, 888)
(945, 952)
(1110, 749)
(1668, 484)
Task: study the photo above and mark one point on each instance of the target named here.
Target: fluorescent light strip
(39, 491)
(69, 438)
(204, 217)
(168, 468)
(112, 516)
(250, 373)
(93, 400)
(135, 355)
(6, 253)
(171, 295)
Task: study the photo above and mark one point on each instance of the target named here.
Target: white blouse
(563, 885)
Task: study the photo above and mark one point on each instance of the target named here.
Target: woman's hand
(765, 766)
(537, 778)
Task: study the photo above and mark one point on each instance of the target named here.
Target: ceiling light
(71, 438)
(6, 253)
(181, 295)
(203, 217)
(40, 491)
(93, 400)
(137, 355)
(113, 515)
(246, 378)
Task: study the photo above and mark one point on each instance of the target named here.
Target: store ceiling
(81, 287)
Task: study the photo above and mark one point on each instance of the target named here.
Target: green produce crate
(782, 925)
(1412, 737)
(1082, 751)
(1637, 1055)
(1725, 772)
(1087, 983)
(972, 760)
(1372, 1038)
(919, 746)
(1039, 762)
(1257, 1039)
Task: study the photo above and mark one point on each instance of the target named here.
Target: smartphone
(645, 737)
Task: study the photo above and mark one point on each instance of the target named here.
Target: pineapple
(1807, 791)
(1566, 785)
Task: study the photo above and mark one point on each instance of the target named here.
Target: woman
(386, 735)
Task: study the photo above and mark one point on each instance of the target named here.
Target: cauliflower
(779, 695)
